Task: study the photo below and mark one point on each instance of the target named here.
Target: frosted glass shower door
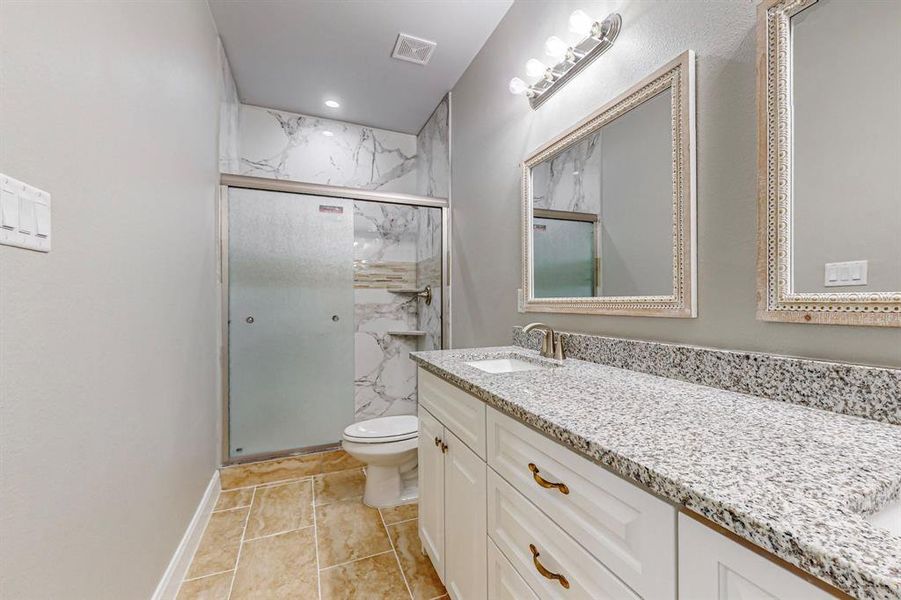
(564, 258)
(291, 320)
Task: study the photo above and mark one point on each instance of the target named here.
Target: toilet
(388, 446)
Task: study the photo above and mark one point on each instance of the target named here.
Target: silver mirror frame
(679, 77)
(776, 298)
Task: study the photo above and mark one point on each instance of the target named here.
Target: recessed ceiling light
(332, 103)
(327, 133)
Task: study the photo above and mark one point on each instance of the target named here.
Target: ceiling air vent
(413, 49)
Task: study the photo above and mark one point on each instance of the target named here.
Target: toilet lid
(383, 429)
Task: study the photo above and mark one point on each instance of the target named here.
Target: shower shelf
(412, 333)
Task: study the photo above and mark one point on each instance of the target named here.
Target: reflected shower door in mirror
(608, 207)
(830, 247)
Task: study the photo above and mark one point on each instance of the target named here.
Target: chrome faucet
(552, 344)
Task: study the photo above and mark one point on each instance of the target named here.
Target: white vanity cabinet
(452, 480)
(713, 567)
(507, 513)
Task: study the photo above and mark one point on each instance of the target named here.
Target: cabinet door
(465, 522)
(713, 567)
(460, 412)
(431, 489)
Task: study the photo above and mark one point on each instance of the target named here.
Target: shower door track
(227, 181)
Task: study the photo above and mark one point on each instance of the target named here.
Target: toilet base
(390, 486)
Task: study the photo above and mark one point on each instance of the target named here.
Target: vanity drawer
(504, 583)
(629, 530)
(517, 527)
(462, 413)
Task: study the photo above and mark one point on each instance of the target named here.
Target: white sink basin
(506, 365)
(888, 518)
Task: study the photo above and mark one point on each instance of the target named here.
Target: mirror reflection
(846, 146)
(602, 210)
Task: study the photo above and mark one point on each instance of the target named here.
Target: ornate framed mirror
(829, 135)
(608, 207)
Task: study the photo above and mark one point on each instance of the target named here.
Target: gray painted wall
(493, 131)
(108, 345)
(637, 201)
(847, 135)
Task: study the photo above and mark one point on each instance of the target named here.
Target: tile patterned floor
(296, 528)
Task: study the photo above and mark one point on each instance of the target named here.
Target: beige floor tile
(348, 530)
(218, 549)
(283, 469)
(279, 508)
(234, 499)
(280, 566)
(396, 514)
(417, 568)
(212, 587)
(338, 460)
(340, 485)
(371, 578)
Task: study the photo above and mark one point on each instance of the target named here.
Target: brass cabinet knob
(561, 487)
(443, 448)
(437, 441)
(543, 570)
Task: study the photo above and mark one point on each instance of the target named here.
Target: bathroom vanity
(570, 479)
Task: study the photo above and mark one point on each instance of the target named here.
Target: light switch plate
(842, 274)
(24, 215)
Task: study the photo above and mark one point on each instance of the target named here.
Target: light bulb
(555, 47)
(535, 68)
(518, 86)
(327, 133)
(580, 23)
(332, 103)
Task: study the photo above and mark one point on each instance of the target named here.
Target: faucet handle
(558, 347)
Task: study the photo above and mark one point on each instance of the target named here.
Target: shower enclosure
(326, 290)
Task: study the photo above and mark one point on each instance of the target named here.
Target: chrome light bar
(599, 40)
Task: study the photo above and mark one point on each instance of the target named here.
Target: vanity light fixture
(332, 103)
(596, 38)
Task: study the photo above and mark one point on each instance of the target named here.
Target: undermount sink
(888, 518)
(507, 365)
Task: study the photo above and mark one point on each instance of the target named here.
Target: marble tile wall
(396, 249)
(284, 145)
(861, 391)
(428, 272)
(229, 114)
(433, 153)
(571, 180)
(385, 237)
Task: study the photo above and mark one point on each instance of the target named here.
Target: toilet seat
(383, 430)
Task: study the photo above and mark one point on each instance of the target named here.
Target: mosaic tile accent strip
(792, 480)
(860, 391)
(384, 275)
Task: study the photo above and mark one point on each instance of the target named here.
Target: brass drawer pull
(544, 572)
(561, 487)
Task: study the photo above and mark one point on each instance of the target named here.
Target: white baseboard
(168, 586)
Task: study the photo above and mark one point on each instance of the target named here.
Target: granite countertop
(793, 480)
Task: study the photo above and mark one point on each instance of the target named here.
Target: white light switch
(42, 220)
(24, 215)
(846, 273)
(9, 207)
